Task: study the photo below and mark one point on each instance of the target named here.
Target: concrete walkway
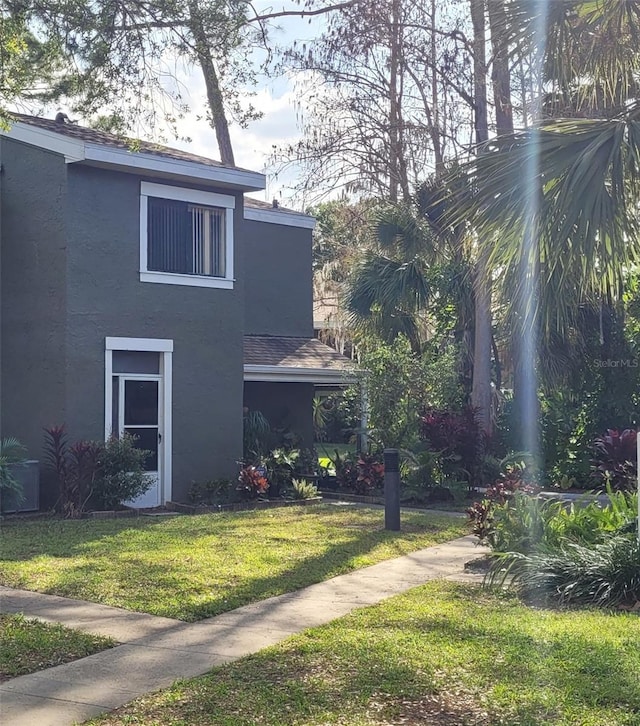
(157, 651)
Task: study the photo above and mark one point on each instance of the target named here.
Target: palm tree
(415, 263)
(389, 290)
(556, 203)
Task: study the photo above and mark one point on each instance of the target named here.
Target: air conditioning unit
(28, 475)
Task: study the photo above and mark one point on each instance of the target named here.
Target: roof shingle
(93, 136)
(286, 352)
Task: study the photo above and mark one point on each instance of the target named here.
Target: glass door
(139, 415)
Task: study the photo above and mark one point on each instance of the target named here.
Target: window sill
(171, 278)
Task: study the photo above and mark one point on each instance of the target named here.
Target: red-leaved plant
(615, 459)
(370, 474)
(76, 467)
(252, 482)
(455, 436)
(515, 478)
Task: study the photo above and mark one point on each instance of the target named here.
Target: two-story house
(141, 292)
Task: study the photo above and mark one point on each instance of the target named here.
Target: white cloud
(254, 145)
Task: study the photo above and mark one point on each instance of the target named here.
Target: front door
(139, 408)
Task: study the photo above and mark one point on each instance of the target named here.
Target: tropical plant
(252, 482)
(455, 436)
(589, 522)
(606, 574)
(256, 434)
(514, 517)
(505, 519)
(615, 459)
(11, 452)
(562, 190)
(280, 465)
(370, 473)
(301, 489)
(120, 475)
(75, 467)
(346, 470)
(306, 463)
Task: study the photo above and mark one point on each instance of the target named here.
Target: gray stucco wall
(69, 278)
(34, 272)
(284, 404)
(278, 283)
(106, 298)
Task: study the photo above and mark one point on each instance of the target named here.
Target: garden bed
(240, 506)
(378, 499)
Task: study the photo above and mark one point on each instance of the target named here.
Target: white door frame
(165, 348)
(153, 497)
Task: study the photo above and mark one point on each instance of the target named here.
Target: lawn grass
(441, 655)
(194, 567)
(27, 646)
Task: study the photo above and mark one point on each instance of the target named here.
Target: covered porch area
(282, 375)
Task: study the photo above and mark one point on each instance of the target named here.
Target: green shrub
(606, 574)
(514, 518)
(120, 473)
(589, 522)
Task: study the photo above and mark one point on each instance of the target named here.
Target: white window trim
(165, 348)
(196, 196)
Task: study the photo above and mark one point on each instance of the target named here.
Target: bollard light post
(638, 468)
(391, 490)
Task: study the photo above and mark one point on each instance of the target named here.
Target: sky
(275, 97)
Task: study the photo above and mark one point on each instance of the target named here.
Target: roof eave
(276, 216)
(287, 374)
(76, 150)
(223, 176)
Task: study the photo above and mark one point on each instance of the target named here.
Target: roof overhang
(284, 374)
(275, 216)
(76, 150)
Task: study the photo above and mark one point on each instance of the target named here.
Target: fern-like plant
(605, 574)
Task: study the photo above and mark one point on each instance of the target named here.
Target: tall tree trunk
(434, 126)
(500, 75)
(214, 94)
(394, 155)
(481, 390)
(524, 334)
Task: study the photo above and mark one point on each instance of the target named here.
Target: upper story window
(186, 236)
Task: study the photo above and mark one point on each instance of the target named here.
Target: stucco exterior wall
(278, 282)
(106, 298)
(69, 278)
(33, 292)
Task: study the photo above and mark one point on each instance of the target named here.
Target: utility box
(27, 474)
